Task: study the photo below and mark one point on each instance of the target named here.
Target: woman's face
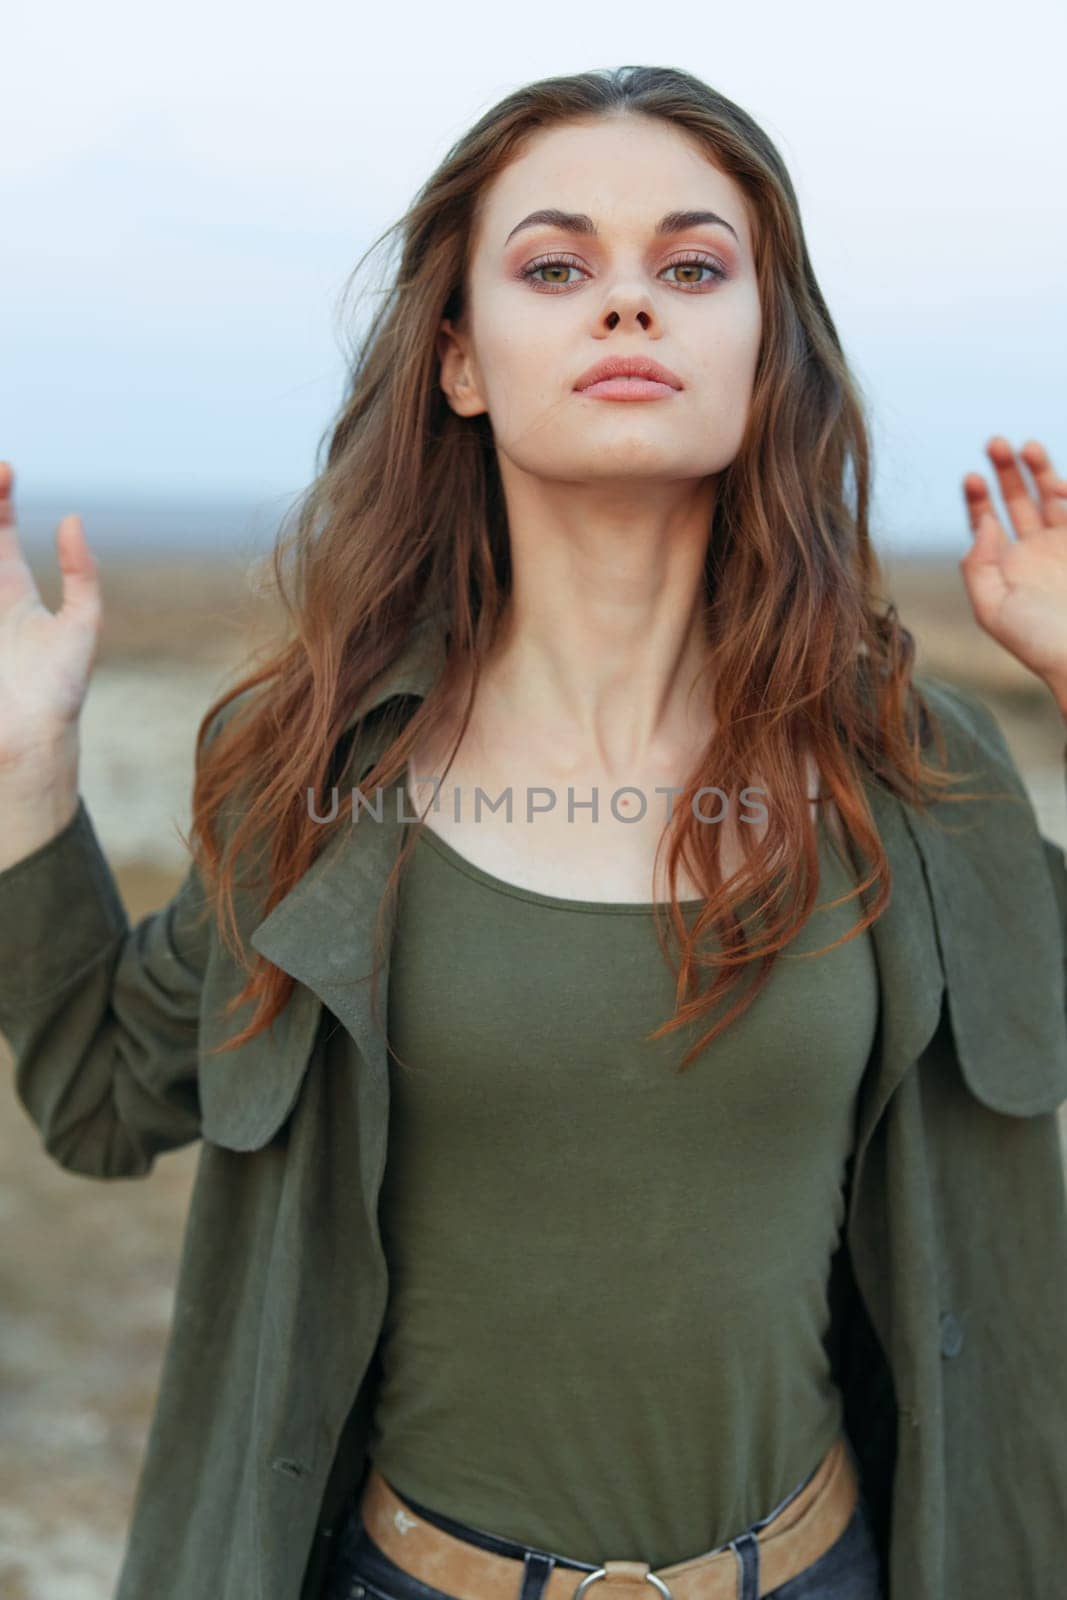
(687, 298)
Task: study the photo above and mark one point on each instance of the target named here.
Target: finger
(1051, 489)
(16, 579)
(77, 565)
(1022, 507)
(8, 537)
(981, 512)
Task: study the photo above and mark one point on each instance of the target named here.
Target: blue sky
(185, 192)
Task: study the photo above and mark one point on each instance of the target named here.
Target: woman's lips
(628, 389)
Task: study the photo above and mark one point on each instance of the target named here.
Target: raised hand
(1017, 586)
(46, 657)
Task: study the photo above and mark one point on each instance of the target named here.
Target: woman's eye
(561, 264)
(717, 273)
(551, 266)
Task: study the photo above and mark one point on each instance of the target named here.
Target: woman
(613, 1203)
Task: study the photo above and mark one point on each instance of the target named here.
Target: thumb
(81, 588)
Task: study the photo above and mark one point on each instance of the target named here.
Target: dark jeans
(848, 1570)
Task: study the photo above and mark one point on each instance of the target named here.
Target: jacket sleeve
(103, 1019)
(1056, 860)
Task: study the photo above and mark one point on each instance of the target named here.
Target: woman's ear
(457, 377)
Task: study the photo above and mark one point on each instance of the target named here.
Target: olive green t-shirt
(608, 1280)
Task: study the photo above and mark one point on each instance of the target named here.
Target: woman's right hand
(46, 657)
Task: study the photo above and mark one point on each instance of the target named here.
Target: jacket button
(951, 1335)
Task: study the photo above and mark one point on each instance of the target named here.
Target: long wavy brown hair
(804, 653)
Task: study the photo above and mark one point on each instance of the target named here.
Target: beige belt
(789, 1543)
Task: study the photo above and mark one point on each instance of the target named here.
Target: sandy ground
(87, 1273)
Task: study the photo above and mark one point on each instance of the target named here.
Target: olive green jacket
(948, 1292)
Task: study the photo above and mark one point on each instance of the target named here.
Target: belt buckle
(602, 1572)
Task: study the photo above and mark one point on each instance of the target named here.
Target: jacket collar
(415, 670)
(971, 923)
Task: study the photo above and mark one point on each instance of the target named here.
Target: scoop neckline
(537, 896)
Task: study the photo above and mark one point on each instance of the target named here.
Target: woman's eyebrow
(579, 222)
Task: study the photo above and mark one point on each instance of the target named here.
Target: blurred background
(184, 195)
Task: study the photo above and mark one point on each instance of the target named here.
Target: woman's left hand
(1018, 586)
